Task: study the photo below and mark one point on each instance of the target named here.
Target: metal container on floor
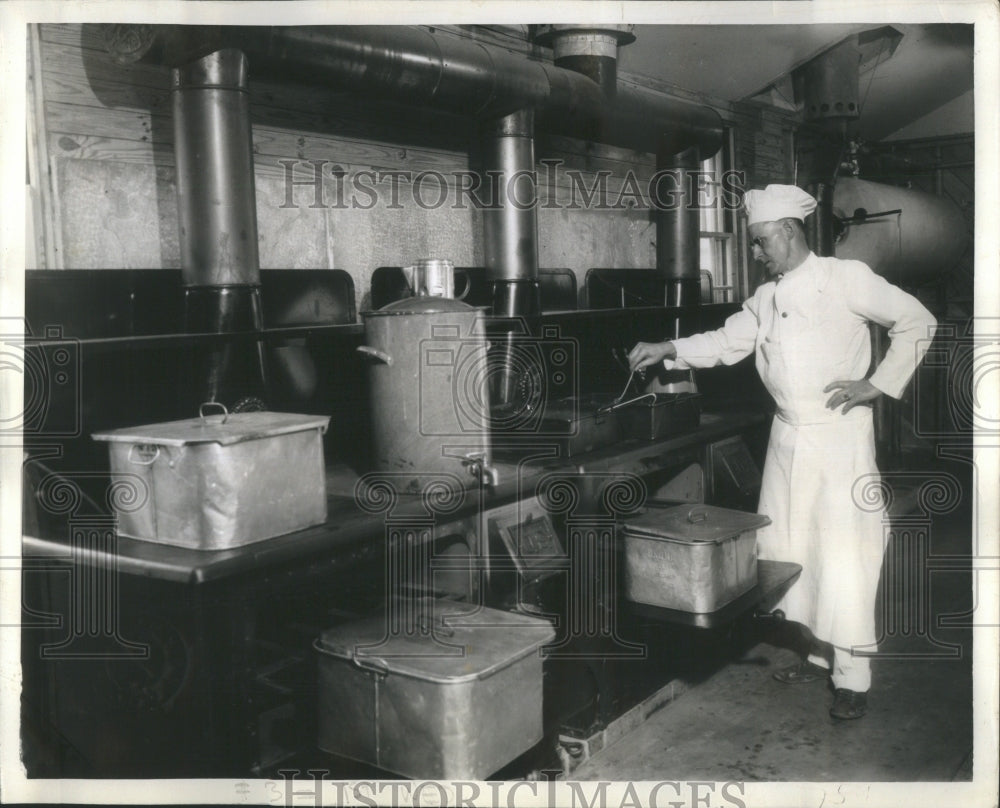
(429, 390)
(456, 697)
(220, 480)
(692, 558)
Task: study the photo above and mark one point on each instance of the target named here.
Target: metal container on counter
(456, 700)
(580, 424)
(220, 480)
(692, 558)
(428, 385)
(660, 415)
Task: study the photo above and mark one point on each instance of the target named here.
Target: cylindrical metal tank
(924, 240)
(428, 382)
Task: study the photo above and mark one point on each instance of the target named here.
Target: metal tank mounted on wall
(921, 236)
(428, 383)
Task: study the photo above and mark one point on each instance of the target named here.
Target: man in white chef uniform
(808, 326)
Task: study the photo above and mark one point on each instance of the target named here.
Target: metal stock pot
(428, 384)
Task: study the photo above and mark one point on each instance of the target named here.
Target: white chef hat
(777, 202)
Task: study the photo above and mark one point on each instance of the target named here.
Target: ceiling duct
(416, 66)
(827, 87)
(830, 84)
(592, 51)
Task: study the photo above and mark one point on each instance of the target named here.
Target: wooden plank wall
(109, 145)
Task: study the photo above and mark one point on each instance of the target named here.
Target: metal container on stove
(220, 480)
(428, 382)
(660, 415)
(581, 424)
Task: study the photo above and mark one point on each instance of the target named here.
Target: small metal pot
(429, 391)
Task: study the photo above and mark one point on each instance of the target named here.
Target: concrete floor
(740, 724)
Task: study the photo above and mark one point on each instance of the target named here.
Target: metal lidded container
(428, 380)
(692, 558)
(220, 481)
(660, 415)
(456, 699)
(580, 424)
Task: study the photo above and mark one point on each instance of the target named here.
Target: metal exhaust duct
(590, 50)
(678, 225)
(510, 230)
(215, 181)
(819, 227)
(216, 205)
(510, 221)
(417, 67)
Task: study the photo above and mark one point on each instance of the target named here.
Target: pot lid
(448, 643)
(225, 430)
(424, 304)
(694, 523)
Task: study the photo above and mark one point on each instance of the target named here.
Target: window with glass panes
(719, 246)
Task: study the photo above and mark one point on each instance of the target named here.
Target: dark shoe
(801, 673)
(849, 704)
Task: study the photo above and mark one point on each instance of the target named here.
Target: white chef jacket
(808, 329)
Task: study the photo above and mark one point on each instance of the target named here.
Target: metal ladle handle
(616, 405)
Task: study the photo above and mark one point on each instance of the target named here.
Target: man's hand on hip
(850, 393)
(645, 354)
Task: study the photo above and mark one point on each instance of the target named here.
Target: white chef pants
(849, 670)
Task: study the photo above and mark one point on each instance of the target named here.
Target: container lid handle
(146, 458)
(374, 665)
(209, 404)
(694, 516)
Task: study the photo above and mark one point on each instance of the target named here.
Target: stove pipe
(218, 225)
(678, 226)
(590, 50)
(820, 226)
(510, 221)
